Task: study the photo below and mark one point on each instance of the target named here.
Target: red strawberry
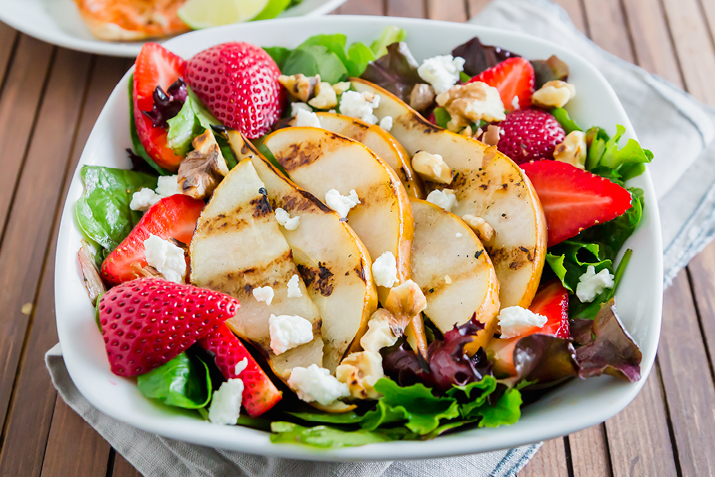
(552, 301)
(530, 135)
(512, 77)
(172, 217)
(574, 199)
(259, 392)
(155, 66)
(238, 82)
(147, 322)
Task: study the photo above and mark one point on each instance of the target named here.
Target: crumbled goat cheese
(143, 199)
(289, 331)
(316, 384)
(384, 270)
(226, 402)
(379, 335)
(386, 123)
(298, 106)
(264, 294)
(592, 284)
(341, 203)
(443, 198)
(168, 185)
(442, 72)
(458, 235)
(515, 103)
(167, 258)
(515, 320)
(360, 105)
(284, 218)
(447, 279)
(294, 287)
(307, 119)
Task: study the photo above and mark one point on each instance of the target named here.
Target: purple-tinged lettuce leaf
(545, 360)
(167, 104)
(549, 70)
(395, 71)
(607, 348)
(479, 57)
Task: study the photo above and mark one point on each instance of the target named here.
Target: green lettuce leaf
(327, 437)
(389, 35)
(103, 212)
(182, 129)
(136, 143)
(506, 411)
(472, 400)
(182, 382)
(570, 259)
(605, 159)
(442, 117)
(279, 55)
(311, 60)
(562, 116)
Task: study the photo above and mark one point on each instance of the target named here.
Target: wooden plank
(447, 10)
(74, 447)
(651, 39)
(363, 7)
(589, 452)
(575, 10)
(702, 275)
(122, 468)
(688, 381)
(607, 27)
(476, 6)
(8, 36)
(406, 8)
(549, 461)
(34, 397)
(694, 47)
(708, 7)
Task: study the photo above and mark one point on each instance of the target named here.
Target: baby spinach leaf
(359, 55)
(103, 212)
(311, 60)
(182, 382)
(279, 55)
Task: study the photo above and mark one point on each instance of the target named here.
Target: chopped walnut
(422, 96)
(432, 167)
(470, 102)
(342, 87)
(299, 86)
(325, 97)
(203, 168)
(491, 137)
(360, 371)
(572, 150)
(404, 302)
(484, 231)
(554, 94)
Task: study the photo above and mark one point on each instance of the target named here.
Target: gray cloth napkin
(666, 119)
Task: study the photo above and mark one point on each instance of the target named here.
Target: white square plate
(574, 406)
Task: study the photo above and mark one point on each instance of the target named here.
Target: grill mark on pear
(320, 279)
(240, 283)
(306, 152)
(260, 204)
(512, 258)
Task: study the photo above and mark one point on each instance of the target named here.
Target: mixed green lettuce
(182, 382)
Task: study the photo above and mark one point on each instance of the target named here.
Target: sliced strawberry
(172, 217)
(259, 392)
(552, 301)
(155, 66)
(574, 199)
(149, 321)
(512, 77)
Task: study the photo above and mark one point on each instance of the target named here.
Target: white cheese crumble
(144, 198)
(443, 198)
(297, 107)
(360, 105)
(378, 336)
(442, 72)
(515, 320)
(458, 235)
(386, 123)
(307, 119)
(289, 331)
(168, 185)
(226, 402)
(384, 270)
(316, 384)
(167, 258)
(341, 203)
(592, 284)
(265, 294)
(284, 218)
(447, 279)
(294, 287)
(515, 104)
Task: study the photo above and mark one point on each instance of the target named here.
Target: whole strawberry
(149, 321)
(238, 82)
(530, 135)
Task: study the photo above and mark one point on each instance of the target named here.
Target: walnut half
(203, 168)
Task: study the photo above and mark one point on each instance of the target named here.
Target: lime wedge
(200, 14)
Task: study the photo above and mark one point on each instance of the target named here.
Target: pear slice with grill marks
(238, 246)
(454, 273)
(380, 142)
(488, 185)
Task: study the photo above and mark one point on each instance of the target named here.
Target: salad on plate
(341, 245)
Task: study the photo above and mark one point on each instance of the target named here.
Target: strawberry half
(512, 77)
(149, 321)
(155, 66)
(552, 301)
(172, 217)
(574, 199)
(259, 392)
(238, 82)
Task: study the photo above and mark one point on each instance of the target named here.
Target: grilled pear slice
(454, 273)
(238, 246)
(380, 142)
(488, 185)
(319, 160)
(331, 259)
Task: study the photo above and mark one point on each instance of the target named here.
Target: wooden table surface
(49, 100)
